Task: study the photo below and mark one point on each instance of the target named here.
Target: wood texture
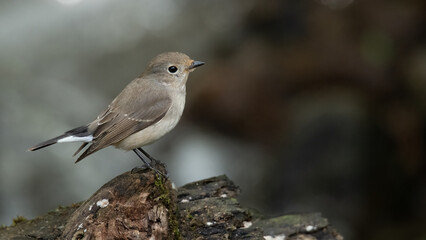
(142, 205)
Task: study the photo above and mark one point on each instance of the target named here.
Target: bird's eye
(172, 69)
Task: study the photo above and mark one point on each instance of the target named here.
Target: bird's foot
(157, 166)
(139, 168)
(153, 163)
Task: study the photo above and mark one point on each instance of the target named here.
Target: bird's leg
(153, 160)
(146, 163)
(142, 158)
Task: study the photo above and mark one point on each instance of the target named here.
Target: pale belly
(156, 131)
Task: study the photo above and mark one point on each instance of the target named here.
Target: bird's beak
(195, 64)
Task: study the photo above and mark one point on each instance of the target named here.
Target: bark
(143, 205)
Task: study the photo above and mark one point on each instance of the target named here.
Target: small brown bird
(147, 108)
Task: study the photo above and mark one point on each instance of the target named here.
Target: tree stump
(143, 205)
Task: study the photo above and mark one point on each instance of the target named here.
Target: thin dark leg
(142, 158)
(150, 158)
(147, 155)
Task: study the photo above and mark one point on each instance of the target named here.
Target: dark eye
(172, 69)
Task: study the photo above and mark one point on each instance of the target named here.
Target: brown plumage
(146, 109)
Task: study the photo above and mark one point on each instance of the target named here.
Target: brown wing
(135, 108)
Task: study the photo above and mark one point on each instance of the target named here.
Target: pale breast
(159, 129)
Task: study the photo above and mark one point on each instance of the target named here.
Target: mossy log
(143, 205)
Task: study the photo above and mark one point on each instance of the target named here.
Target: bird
(145, 110)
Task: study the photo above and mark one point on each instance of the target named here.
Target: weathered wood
(143, 205)
(134, 205)
(209, 209)
(48, 227)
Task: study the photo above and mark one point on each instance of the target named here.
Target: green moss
(287, 219)
(174, 225)
(60, 209)
(17, 220)
(189, 215)
(159, 184)
(164, 196)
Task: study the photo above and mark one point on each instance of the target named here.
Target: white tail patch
(76, 139)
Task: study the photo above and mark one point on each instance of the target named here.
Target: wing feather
(141, 104)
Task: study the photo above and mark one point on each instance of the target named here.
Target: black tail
(78, 132)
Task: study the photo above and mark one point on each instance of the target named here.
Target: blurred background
(308, 106)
